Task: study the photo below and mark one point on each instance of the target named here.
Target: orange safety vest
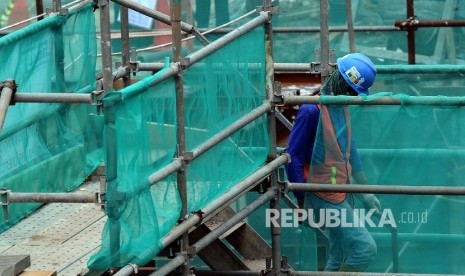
(335, 169)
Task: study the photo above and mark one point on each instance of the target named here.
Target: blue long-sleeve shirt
(302, 147)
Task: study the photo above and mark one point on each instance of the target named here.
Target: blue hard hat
(358, 71)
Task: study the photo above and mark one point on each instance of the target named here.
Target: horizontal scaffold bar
(229, 37)
(308, 273)
(208, 144)
(381, 100)
(381, 69)
(85, 98)
(377, 189)
(51, 197)
(334, 29)
(326, 273)
(160, 17)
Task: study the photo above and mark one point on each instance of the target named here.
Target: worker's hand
(370, 201)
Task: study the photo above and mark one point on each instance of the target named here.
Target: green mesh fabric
(433, 45)
(49, 147)
(415, 145)
(218, 90)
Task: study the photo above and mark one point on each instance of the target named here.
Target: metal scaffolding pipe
(85, 98)
(324, 39)
(334, 29)
(377, 189)
(51, 197)
(216, 233)
(172, 167)
(5, 100)
(275, 231)
(404, 24)
(228, 273)
(227, 38)
(386, 69)
(208, 144)
(226, 198)
(418, 152)
(235, 126)
(326, 273)
(161, 17)
(421, 69)
(381, 69)
(355, 100)
(151, 13)
(350, 26)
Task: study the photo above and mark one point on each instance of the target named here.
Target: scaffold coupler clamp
(272, 9)
(135, 268)
(4, 193)
(317, 68)
(409, 24)
(9, 83)
(96, 98)
(278, 99)
(285, 268)
(281, 180)
(200, 214)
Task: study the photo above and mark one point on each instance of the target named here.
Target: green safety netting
(415, 145)
(49, 147)
(433, 45)
(218, 90)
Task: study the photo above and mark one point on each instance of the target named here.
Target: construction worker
(325, 150)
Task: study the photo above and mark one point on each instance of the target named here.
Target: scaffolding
(269, 178)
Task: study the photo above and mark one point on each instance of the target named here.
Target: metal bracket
(201, 214)
(9, 83)
(281, 182)
(278, 99)
(5, 202)
(272, 9)
(133, 61)
(96, 97)
(316, 66)
(61, 11)
(188, 156)
(191, 251)
(184, 63)
(332, 61)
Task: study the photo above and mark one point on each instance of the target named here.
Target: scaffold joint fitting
(9, 83)
(5, 202)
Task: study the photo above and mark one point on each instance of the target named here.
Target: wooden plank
(13, 265)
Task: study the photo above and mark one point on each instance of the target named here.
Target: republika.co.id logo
(338, 218)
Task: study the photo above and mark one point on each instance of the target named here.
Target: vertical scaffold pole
(111, 196)
(125, 47)
(59, 52)
(324, 40)
(269, 86)
(6, 93)
(350, 26)
(175, 11)
(410, 33)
